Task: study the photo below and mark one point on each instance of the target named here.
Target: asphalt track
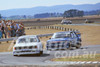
(6, 58)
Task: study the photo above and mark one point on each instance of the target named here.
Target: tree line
(66, 14)
(69, 13)
(46, 15)
(73, 13)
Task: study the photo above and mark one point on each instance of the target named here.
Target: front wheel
(14, 55)
(41, 52)
(69, 46)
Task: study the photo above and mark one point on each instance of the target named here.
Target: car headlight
(15, 48)
(35, 46)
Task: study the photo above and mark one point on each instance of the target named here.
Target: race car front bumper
(25, 52)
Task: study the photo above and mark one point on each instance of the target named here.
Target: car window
(22, 40)
(33, 40)
(27, 40)
(74, 35)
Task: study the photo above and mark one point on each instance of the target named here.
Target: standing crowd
(11, 29)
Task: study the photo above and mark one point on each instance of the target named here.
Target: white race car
(29, 44)
(66, 22)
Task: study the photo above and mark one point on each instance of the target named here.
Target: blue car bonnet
(59, 39)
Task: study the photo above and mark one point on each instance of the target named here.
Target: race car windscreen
(27, 40)
(61, 35)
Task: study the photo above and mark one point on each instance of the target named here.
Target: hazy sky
(11, 4)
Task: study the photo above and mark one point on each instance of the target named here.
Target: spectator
(18, 33)
(8, 31)
(3, 30)
(0, 31)
(11, 29)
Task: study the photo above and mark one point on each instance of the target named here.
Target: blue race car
(64, 40)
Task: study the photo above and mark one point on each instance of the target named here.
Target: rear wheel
(78, 45)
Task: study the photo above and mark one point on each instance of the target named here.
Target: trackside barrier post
(50, 27)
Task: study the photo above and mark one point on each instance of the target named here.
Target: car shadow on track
(34, 55)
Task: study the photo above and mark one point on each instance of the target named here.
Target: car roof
(26, 36)
(66, 20)
(64, 32)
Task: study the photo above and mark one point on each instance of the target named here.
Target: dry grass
(40, 31)
(6, 47)
(57, 20)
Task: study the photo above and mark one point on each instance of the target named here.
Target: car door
(74, 38)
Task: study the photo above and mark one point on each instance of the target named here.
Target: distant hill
(51, 9)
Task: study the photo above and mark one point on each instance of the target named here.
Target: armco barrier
(15, 38)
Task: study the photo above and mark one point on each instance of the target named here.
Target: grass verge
(79, 58)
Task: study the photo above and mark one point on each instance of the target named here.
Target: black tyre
(69, 46)
(41, 52)
(15, 55)
(78, 45)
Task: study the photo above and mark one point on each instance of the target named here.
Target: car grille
(56, 43)
(19, 48)
(60, 44)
